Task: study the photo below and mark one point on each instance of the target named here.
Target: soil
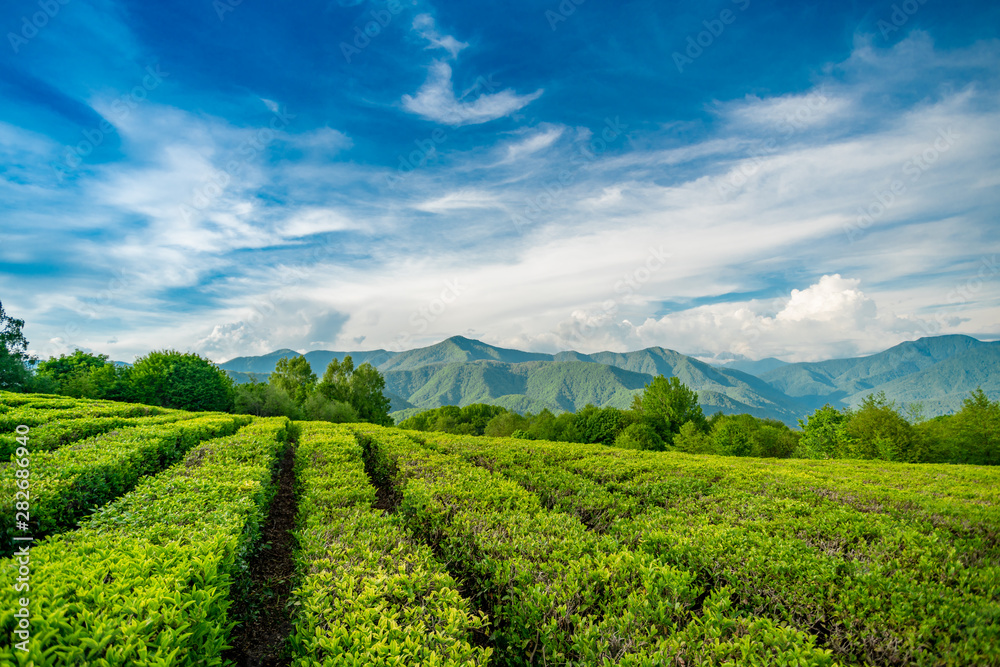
(260, 642)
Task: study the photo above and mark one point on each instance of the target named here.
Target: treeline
(187, 381)
(666, 417)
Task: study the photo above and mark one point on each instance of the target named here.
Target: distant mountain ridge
(899, 371)
(938, 372)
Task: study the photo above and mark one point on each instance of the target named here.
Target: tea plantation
(149, 532)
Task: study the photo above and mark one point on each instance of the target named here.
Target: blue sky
(793, 179)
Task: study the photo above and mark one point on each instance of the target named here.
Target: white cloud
(461, 199)
(535, 141)
(831, 299)
(788, 114)
(436, 101)
(311, 221)
(424, 25)
(324, 139)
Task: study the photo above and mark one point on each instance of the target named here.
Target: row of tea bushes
(876, 581)
(147, 579)
(559, 593)
(55, 434)
(33, 414)
(368, 594)
(65, 484)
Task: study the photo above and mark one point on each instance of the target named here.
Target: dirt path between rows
(261, 641)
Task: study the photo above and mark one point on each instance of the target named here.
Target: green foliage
(57, 433)
(795, 562)
(367, 594)
(504, 424)
(641, 435)
(468, 420)
(367, 397)
(295, 377)
(553, 587)
(823, 434)
(147, 579)
(362, 387)
(336, 384)
(666, 404)
(14, 358)
(184, 381)
(876, 430)
(82, 375)
(320, 408)
(263, 400)
(693, 440)
(745, 435)
(35, 410)
(976, 429)
(602, 425)
(70, 481)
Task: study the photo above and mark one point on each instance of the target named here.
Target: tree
(184, 381)
(640, 435)
(336, 384)
(362, 387)
(478, 415)
(876, 430)
(294, 375)
(602, 425)
(15, 362)
(320, 408)
(735, 435)
(977, 430)
(505, 424)
(823, 434)
(666, 404)
(693, 440)
(367, 397)
(263, 400)
(82, 375)
(543, 425)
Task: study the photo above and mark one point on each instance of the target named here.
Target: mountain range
(938, 372)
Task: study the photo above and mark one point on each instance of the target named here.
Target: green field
(415, 548)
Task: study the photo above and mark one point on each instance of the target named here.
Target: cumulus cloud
(830, 318)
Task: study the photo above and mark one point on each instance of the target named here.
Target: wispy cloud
(424, 25)
(436, 101)
(197, 210)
